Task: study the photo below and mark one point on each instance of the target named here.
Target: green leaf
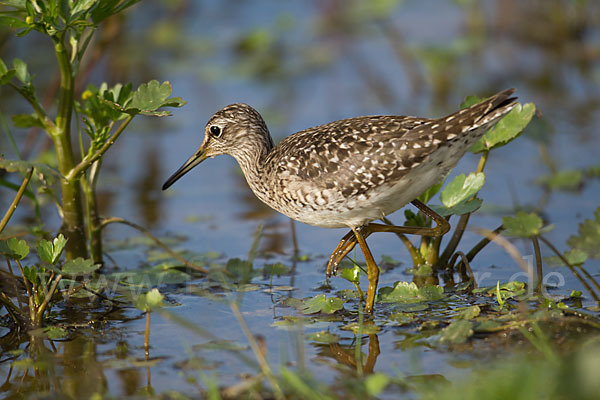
(21, 71)
(275, 269)
(568, 180)
(470, 101)
(469, 312)
(432, 191)
(322, 337)
(515, 288)
(56, 332)
(12, 22)
(26, 121)
(523, 225)
(81, 6)
(588, 239)
(14, 248)
(462, 188)
(375, 383)
(404, 292)
(362, 329)
(50, 251)
(149, 300)
(5, 74)
(457, 332)
(151, 96)
(403, 318)
(79, 266)
(3, 69)
(507, 129)
(44, 170)
(461, 208)
(499, 295)
(350, 274)
(321, 304)
(576, 294)
(574, 257)
(240, 270)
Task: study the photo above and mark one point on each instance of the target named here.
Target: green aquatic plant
(100, 115)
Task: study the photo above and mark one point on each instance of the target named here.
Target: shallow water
(312, 70)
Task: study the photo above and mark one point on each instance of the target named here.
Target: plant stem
(538, 264)
(462, 222)
(482, 243)
(260, 357)
(16, 200)
(147, 335)
(88, 160)
(572, 268)
(73, 224)
(414, 253)
(42, 308)
(88, 184)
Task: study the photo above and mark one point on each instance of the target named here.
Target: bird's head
(237, 130)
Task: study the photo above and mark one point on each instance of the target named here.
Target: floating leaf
(516, 287)
(469, 312)
(14, 248)
(507, 129)
(568, 180)
(461, 208)
(55, 332)
(240, 270)
(322, 304)
(588, 240)
(462, 188)
(403, 318)
(457, 332)
(404, 292)
(487, 326)
(523, 224)
(79, 266)
(324, 337)
(363, 329)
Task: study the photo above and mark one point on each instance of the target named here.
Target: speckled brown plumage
(348, 172)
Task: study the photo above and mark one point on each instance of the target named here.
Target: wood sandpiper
(350, 172)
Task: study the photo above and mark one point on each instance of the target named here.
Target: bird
(351, 172)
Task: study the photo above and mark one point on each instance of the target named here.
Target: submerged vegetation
(64, 309)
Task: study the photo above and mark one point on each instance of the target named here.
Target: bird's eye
(215, 131)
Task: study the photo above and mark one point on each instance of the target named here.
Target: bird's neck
(251, 157)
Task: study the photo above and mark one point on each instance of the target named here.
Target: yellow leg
(372, 269)
(349, 240)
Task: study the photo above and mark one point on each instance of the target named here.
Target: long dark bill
(194, 160)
